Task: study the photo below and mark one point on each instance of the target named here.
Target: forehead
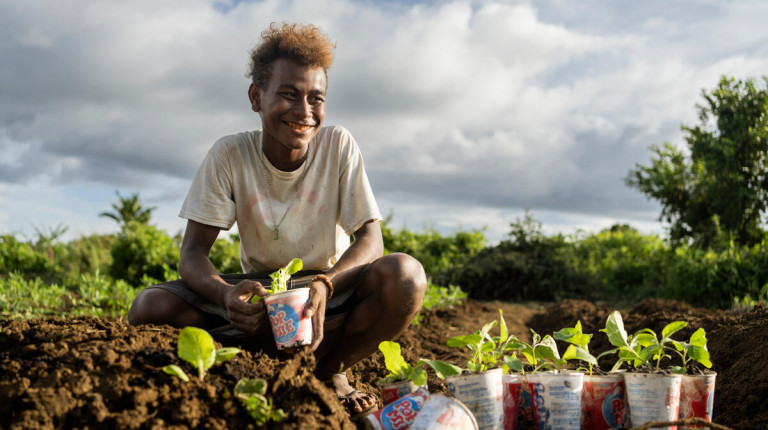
(287, 72)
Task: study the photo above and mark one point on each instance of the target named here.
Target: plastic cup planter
(697, 394)
(398, 414)
(604, 402)
(655, 394)
(403, 378)
(285, 309)
(286, 316)
(482, 392)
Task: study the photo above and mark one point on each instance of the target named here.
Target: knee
(151, 306)
(403, 280)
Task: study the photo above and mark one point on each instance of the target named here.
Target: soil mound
(101, 373)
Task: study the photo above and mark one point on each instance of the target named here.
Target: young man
(295, 189)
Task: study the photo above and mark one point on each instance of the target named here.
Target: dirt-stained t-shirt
(236, 183)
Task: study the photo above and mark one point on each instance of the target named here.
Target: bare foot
(356, 402)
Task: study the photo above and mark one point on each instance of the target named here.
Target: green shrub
(140, 251)
(22, 258)
(623, 263)
(225, 255)
(440, 255)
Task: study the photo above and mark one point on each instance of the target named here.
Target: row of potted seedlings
(511, 384)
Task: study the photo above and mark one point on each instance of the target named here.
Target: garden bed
(102, 373)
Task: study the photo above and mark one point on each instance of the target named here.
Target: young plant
(579, 345)
(627, 347)
(197, 348)
(645, 348)
(280, 279)
(487, 351)
(695, 349)
(252, 393)
(281, 276)
(399, 369)
(654, 347)
(541, 353)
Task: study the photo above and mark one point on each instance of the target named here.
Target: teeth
(299, 127)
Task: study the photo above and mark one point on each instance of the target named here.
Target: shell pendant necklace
(276, 225)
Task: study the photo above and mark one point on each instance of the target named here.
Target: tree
(129, 209)
(722, 187)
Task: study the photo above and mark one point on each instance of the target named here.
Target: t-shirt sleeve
(210, 197)
(357, 204)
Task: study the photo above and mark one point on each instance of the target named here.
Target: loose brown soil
(98, 373)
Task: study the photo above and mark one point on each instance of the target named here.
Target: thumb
(312, 305)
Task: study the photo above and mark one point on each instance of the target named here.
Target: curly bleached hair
(304, 44)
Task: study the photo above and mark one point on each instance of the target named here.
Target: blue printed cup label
(399, 414)
(285, 322)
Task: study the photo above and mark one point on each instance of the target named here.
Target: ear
(254, 95)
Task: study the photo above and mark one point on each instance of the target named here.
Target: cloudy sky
(467, 112)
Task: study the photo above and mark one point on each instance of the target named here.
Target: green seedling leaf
(513, 363)
(252, 392)
(394, 361)
(281, 276)
(247, 387)
(399, 369)
(614, 328)
(225, 354)
(197, 348)
(645, 338)
(442, 369)
(699, 338)
(503, 333)
(175, 370)
(701, 355)
(464, 340)
(578, 353)
(548, 349)
(672, 328)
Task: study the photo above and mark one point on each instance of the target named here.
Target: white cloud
(482, 106)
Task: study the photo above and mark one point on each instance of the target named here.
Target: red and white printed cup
(399, 414)
(286, 316)
(391, 391)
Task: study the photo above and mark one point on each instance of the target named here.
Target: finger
(318, 323)
(313, 303)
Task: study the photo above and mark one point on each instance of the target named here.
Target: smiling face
(292, 110)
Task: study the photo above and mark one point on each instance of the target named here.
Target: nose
(304, 108)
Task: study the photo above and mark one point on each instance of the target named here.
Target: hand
(250, 318)
(318, 296)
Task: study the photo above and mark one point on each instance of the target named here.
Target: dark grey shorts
(336, 309)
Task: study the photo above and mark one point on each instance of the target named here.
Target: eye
(317, 99)
(290, 95)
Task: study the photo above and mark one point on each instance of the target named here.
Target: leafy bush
(622, 262)
(141, 251)
(22, 258)
(440, 255)
(440, 297)
(225, 255)
(528, 266)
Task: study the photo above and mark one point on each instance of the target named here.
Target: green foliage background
(101, 274)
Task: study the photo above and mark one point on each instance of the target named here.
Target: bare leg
(158, 306)
(391, 296)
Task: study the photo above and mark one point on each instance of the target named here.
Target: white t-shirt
(334, 199)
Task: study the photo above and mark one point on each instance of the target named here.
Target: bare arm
(197, 271)
(367, 247)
